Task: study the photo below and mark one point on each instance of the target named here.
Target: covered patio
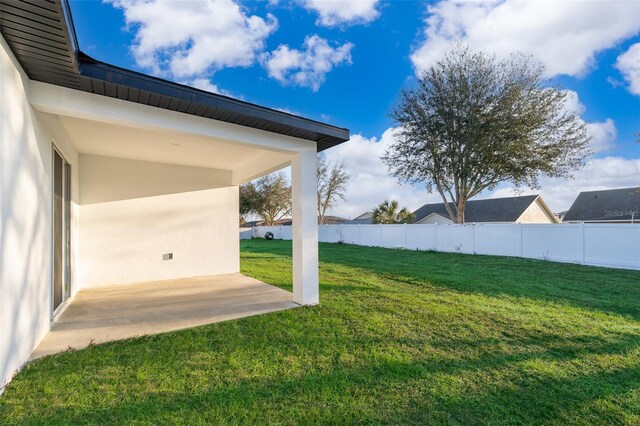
(100, 315)
(152, 243)
(115, 178)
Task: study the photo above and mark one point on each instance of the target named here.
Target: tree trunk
(460, 211)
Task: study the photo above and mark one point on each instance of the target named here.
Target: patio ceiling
(103, 126)
(162, 146)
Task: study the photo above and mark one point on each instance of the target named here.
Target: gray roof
(363, 219)
(42, 37)
(607, 205)
(490, 210)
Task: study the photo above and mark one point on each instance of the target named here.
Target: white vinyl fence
(610, 245)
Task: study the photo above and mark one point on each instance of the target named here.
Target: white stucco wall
(133, 212)
(25, 216)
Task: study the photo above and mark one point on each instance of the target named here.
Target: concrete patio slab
(118, 312)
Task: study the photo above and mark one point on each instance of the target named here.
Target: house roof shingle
(507, 209)
(606, 205)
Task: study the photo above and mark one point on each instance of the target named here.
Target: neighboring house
(110, 176)
(613, 205)
(279, 222)
(523, 209)
(334, 220)
(328, 220)
(363, 219)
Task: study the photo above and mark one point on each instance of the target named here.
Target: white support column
(305, 228)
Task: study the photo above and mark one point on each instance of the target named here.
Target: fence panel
(421, 237)
(333, 234)
(497, 239)
(393, 236)
(612, 245)
(558, 242)
(370, 235)
(350, 234)
(455, 238)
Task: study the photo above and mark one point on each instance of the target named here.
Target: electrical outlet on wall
(167, 256)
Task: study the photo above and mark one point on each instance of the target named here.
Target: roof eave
(61, 63)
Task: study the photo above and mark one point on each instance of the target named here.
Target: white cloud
(603, 134)
(193, 39)
(370, 184)
(307, 67)
(629, 65)
(343, 12)
(207, 85)
(288, 111)
(572, 102)
(564, 35)
(598, 174)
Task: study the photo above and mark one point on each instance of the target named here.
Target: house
(612, 205)
(110, 176)
(522, 209)
(334, 220)
(328, 220)
(363, 219)
(260, 222)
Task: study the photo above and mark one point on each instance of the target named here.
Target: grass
(400, 337)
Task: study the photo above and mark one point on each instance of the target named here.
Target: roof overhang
(42, 37)
(107, 127)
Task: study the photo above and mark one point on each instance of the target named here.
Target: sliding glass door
(61, 230)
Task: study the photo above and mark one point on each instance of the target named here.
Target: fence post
(583, 256)
(521, 239)
(473, 238)
(405, 236)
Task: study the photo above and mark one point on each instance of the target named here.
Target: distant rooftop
(363, 219)
(507, 209)
(606, 205)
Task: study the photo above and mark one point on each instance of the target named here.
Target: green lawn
(399, 337)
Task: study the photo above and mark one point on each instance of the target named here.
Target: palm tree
(390, 212)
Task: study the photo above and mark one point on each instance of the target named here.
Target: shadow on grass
(416, 391)
(610, 290)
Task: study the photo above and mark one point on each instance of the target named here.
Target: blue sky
(360, 54)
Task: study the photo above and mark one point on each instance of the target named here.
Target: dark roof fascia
(101, 71)
(72, 40)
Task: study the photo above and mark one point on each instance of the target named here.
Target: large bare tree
(474, 121)
(268, 197)
(332, 185)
